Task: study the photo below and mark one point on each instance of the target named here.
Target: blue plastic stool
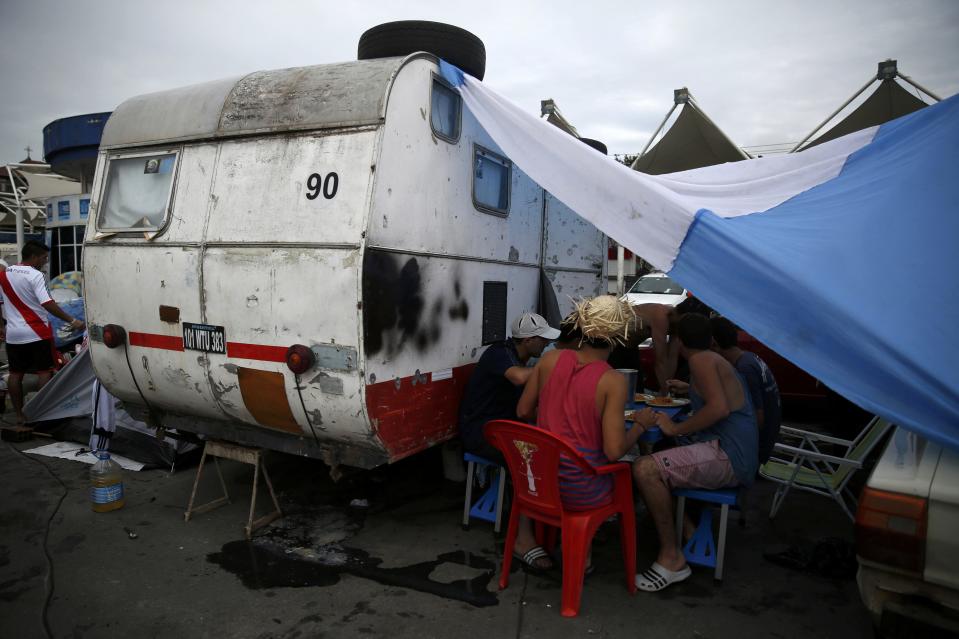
(489, 507)
(700, 549)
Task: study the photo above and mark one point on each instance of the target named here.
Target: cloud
(764, 72)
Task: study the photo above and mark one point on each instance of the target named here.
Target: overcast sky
(766, 72)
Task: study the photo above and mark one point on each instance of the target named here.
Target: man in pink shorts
(723, 451)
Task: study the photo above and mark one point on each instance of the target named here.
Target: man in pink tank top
(576, 395)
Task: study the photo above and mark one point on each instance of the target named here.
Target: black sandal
(528, 560)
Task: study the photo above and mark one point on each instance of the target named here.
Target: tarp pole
(658, 129)
(16, 196)
(620, 270)
(920, 87)
(834, 113)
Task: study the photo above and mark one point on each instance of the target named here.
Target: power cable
(48, 580)
(299, 391)
(126, 354)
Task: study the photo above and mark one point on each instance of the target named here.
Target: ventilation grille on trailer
(494, 312)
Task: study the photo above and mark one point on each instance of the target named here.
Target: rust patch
(169, 314)
(264, 395)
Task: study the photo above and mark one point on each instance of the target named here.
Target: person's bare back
(706, 368)
(656, 321)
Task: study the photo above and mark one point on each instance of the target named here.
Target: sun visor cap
(533, 325)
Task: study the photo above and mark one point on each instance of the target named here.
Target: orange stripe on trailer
(264, 395)
(152, 340)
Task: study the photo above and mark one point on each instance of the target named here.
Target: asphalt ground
(400, 567)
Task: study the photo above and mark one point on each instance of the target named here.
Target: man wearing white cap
(493, 391)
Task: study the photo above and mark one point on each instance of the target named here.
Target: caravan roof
(296, 99)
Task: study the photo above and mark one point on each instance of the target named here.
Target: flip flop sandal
(657, 577)
(529, 559)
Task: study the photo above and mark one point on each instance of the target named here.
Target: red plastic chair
(533, 457)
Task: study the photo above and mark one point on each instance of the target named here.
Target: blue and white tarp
(843, 258)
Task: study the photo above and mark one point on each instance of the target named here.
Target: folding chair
(805, 467)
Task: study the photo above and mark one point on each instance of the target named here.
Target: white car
(907, 539)
(656, 288)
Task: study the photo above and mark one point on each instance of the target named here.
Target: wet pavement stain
(266, 565)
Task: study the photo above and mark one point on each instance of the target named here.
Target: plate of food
(663, 402)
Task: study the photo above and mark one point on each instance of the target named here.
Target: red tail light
(891, 529)
(114, 335)
(299, 358)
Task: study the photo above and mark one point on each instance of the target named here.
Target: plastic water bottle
(106, 484)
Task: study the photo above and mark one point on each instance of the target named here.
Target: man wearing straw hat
(578, 396)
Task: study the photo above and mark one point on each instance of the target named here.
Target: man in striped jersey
(27, 331)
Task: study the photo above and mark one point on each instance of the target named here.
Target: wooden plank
(15, 433)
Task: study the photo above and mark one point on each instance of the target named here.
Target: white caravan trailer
(312, 259)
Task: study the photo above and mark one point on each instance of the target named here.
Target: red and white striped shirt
(24, 292)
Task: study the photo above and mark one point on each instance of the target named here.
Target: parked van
(312, 259)
(906, 541)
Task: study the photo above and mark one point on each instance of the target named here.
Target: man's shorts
(700, 465)
(32, 357)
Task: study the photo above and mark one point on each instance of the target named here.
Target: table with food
(671, 406)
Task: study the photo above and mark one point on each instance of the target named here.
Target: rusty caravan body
(354, 208)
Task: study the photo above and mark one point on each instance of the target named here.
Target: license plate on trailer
(204, 337)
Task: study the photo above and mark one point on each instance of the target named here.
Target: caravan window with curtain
(137, 192)
(445, 110)
(491, 181)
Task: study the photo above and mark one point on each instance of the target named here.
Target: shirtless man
(658, 321)
(723, 451)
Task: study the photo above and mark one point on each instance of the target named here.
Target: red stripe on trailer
(256, 351)
(233, 349)
(152, 340)
(416, 416)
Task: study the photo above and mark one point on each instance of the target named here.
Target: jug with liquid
(106, 484)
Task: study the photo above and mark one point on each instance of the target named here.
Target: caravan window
(445, 110)
(137, 192)
(491, 181)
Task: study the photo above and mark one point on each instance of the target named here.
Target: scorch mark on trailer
(220, 390)
(177, 377)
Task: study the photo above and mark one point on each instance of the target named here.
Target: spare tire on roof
(596, 144)
(456, 46)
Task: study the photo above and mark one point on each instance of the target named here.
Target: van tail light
(891, 529)
(299, 358)
(114, 335)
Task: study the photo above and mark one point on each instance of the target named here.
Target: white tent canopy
(21, 186)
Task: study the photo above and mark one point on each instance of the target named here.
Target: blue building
(70, 146)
